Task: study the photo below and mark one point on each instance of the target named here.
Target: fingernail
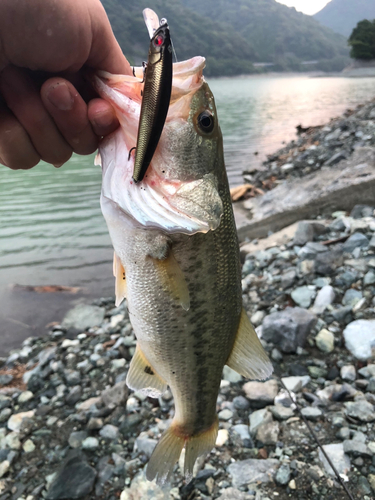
(60, 97)
(58, 165)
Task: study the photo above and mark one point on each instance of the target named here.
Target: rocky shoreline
(69, 427)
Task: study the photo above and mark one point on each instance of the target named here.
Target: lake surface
(51, 228)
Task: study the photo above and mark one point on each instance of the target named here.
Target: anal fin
(142, 376)
(173, 279)
(248, 358)
(119, 274)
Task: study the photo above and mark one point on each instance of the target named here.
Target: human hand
(42, 113)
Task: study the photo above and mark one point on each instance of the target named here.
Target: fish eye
(159, 40)
(206, 121)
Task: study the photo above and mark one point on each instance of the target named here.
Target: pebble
(361, 410)
(348, 373)
(222, 437)
(109, 432)
(225, 414)
(324, 299)
(252, 470)
(303, 295)
(90, 443)
(360, 338)
(281, 412)
(296, 383)
(268, 433)
(257, 418)
(356, 449)
(28, 446)
(325, 340)
(15, 421)
(261, 394)
(340, 460)
(231, 375)
(283, 474)
(288, 329)
(4, 467)
(24, 397)
(311, 413)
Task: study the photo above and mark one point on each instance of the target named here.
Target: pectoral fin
(248, 358)
(173, 279)
(119, 274)
(142, 376)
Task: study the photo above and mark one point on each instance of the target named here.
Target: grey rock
(288, 329)
(74, 395)
(324, 298)
(360, 338)
(327, 262)
(283, 475)
(311, 413)
(343, 433)
(369, 278)
(288, 277)
(360, 211)
(257, 418)
(145, 445)
(90, 444)
(296, 382)
(351, 297)
(109, 432)
(340, 460)
(268, 433)
(95, 423)
(252, 470)
(5, 413)
(281, 412)
(304, 233)
(115, 396)
(241, 403)
(46, 356)
(261, 394)
(6, 379)
(242, 430)
(303, 296)
(348, 373)
(367, 371)
(72, 377)
(372, 241)
(75, 479)
(84, 316)
(76, 438)
(225, 414)
(356, 449)
(231, 375)
(5, 401)
(361, 410)
(317, 371)
(354, 241)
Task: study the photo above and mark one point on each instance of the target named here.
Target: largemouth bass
(177, 260)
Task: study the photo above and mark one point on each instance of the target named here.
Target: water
(51, 228)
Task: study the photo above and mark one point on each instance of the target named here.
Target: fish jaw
(176, 195)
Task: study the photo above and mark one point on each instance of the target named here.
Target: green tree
(362, 40)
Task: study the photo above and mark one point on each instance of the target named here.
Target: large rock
(338, 187)
(360, 338)
(288, 329)
(253, 471)
(84, 316)
(261, 394)
(75, 479)
(340, 460)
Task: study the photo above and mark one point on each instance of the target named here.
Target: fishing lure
(156, 97)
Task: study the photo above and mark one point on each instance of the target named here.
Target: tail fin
(169, 448)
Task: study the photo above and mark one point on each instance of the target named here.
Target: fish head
(180, 191)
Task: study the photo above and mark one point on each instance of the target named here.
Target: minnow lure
(156, 97)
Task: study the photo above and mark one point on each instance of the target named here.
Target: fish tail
(168, 451)
(198, 445)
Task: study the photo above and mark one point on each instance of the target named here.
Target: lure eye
(159, 40)
(206, 121)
